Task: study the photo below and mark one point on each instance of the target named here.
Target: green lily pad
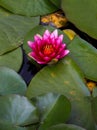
(83, 14)
(4, 13)
(11, 127)
(94, 108)
(11, 82)
(16, 112)
(31, 127)
(85, 56)
(65, 127)
(57, 3)
(12, 59)
(51, 106)
(14, 127)
(29, 8)
(94, 92)
(65, 69)
(12, 31)
(65, 78)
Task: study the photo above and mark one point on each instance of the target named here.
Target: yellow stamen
(48, 49)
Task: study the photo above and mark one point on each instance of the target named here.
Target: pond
(48, 65)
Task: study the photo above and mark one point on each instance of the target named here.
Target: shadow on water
(28, 70)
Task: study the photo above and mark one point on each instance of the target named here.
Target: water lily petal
(54, 34)
(62, 48)
(41, 54)
(47, 58)
(41, 62)
(67, 52)
(46, 33)
(37, 37)
(64, 53)
(30, 43)
(47, 47)
(53, 55)
(57, 57)
(61, 37)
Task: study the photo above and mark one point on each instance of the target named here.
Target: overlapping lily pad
(12, 31)
(83, 14)
(58, 93)
(29, 8)
(65, 127)
(12, 60)
(94, 108)
(57, 3)
(11, 82)
(16, 112)
(11, 127)
(65, 78)
(51, 106)
(85, 56)
(4, 13)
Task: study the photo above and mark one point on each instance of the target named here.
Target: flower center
(48, 49)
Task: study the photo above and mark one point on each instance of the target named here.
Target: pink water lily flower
(47, 48)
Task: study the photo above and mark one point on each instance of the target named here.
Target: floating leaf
(56, 2)
(51, 107)
(11, 127)
(16, 112)
(66, 69)
(12, 31)
(94, 108)
(31, 127)
(85, 56)
(12, 60)
(4, 13)
(83, 14)
(65, 78)
(94, 92)
(29, 8)
(65, 127)
(11, 82)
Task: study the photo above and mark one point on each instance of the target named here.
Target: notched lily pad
(11, 82)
